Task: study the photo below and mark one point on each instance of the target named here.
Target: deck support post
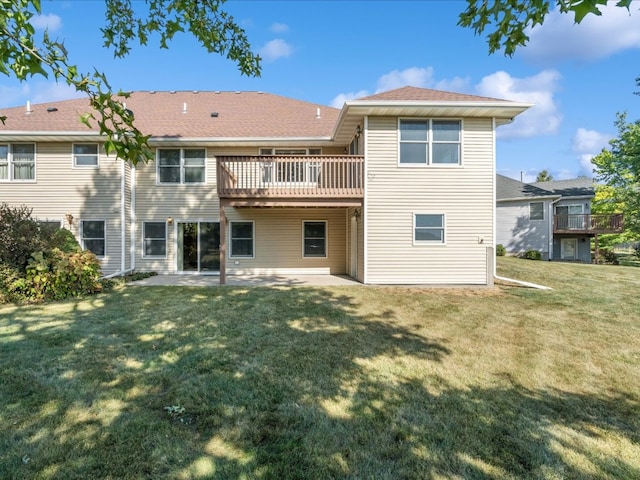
(597, 250)
(223, 245)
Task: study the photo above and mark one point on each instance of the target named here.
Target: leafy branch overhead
(507, 21)
(23, 54)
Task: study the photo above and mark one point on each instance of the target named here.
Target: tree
(619, 168)
(544, 176)
(24, 55)
(511, 18)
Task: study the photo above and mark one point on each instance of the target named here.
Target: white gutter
(525, 284)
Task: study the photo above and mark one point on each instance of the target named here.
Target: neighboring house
(553, 218)
(395, 188)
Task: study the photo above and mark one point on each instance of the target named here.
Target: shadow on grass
(275, 384)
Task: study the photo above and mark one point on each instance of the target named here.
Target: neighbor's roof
(510, 189)
(579, 187)
(163, 114)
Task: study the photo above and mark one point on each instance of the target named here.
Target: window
(242, 239)
(17, 162)
(154, 239)
(293, 171)
(181, 165)
(315, 239)
(536, 211)
(85, 155)
(430, 142)
(428, 228)
(94, 236)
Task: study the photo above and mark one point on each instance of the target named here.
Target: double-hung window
(154, 239)
(17, 162)
(430, 142)
(85, 155)
(315, 239)
(428, 228)
(94, 236)
(536, 211)
(181, 166)
(242, 239)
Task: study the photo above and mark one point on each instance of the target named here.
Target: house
(553, 218)
(393, 188)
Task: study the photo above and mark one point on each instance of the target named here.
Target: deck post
(223, 245)
(597, 250)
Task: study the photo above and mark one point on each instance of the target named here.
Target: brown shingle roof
(240, 115)
(426, 94)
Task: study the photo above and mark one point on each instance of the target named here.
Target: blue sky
(326, 52)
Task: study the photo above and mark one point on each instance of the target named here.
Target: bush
(608, 256)
(58, 275)
(532, 255)
(8, 277)
(500, 250)
(64, 240)
(636, 250)
(19, 236)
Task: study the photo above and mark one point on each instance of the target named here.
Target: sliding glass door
(198, 247)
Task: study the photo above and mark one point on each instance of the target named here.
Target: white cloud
(559, 38)
(339, 99)
(35, 92)
(279, 28)
(419, 77)
(413, 76)
(48, 22)
(587, 144)
(541, 119)
(275, 49)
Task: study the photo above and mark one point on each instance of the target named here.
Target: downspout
(495, 196)
(525, 284)
(551, 209)
(123, 230)
(132, 246)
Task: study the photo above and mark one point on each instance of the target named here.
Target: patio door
(198, 247)
(568, 248)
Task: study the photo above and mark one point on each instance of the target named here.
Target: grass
(324, 383)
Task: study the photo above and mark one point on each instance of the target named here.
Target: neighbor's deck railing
(587, 223)
(309, 176)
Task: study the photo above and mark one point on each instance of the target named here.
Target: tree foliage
(544, 176)
(23, 54)
(619, 168)
(507, 21)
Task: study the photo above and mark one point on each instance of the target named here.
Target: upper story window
(536, 211)
(17, 162)
(291, 171)
(430, 142)
(85, 155)
(181, 165)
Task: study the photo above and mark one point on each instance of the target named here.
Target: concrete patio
(245, 280)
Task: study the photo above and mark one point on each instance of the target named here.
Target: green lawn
(323, 383)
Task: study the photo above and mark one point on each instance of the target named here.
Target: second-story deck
(588, 224)
(310, 180)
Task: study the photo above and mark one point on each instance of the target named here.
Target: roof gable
(427, 95)
(578, 187)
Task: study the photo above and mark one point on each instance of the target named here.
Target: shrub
(500, 250)
(532, 255)
(64, 240)
(57, 275)
(636, 250)
(19, 236)
(8, 277)
(608, 256)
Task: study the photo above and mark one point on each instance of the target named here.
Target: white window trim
(326, 239)
(569, 205)
(429, 163)
(10, 178)
(537, 219)
(253, 239)
(166, 240)
(182, 167)
(105, 234)
(429, 242)
(83, 167)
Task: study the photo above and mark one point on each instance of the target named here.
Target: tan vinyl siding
(86, 193)
(464, 194)
(278, 241)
